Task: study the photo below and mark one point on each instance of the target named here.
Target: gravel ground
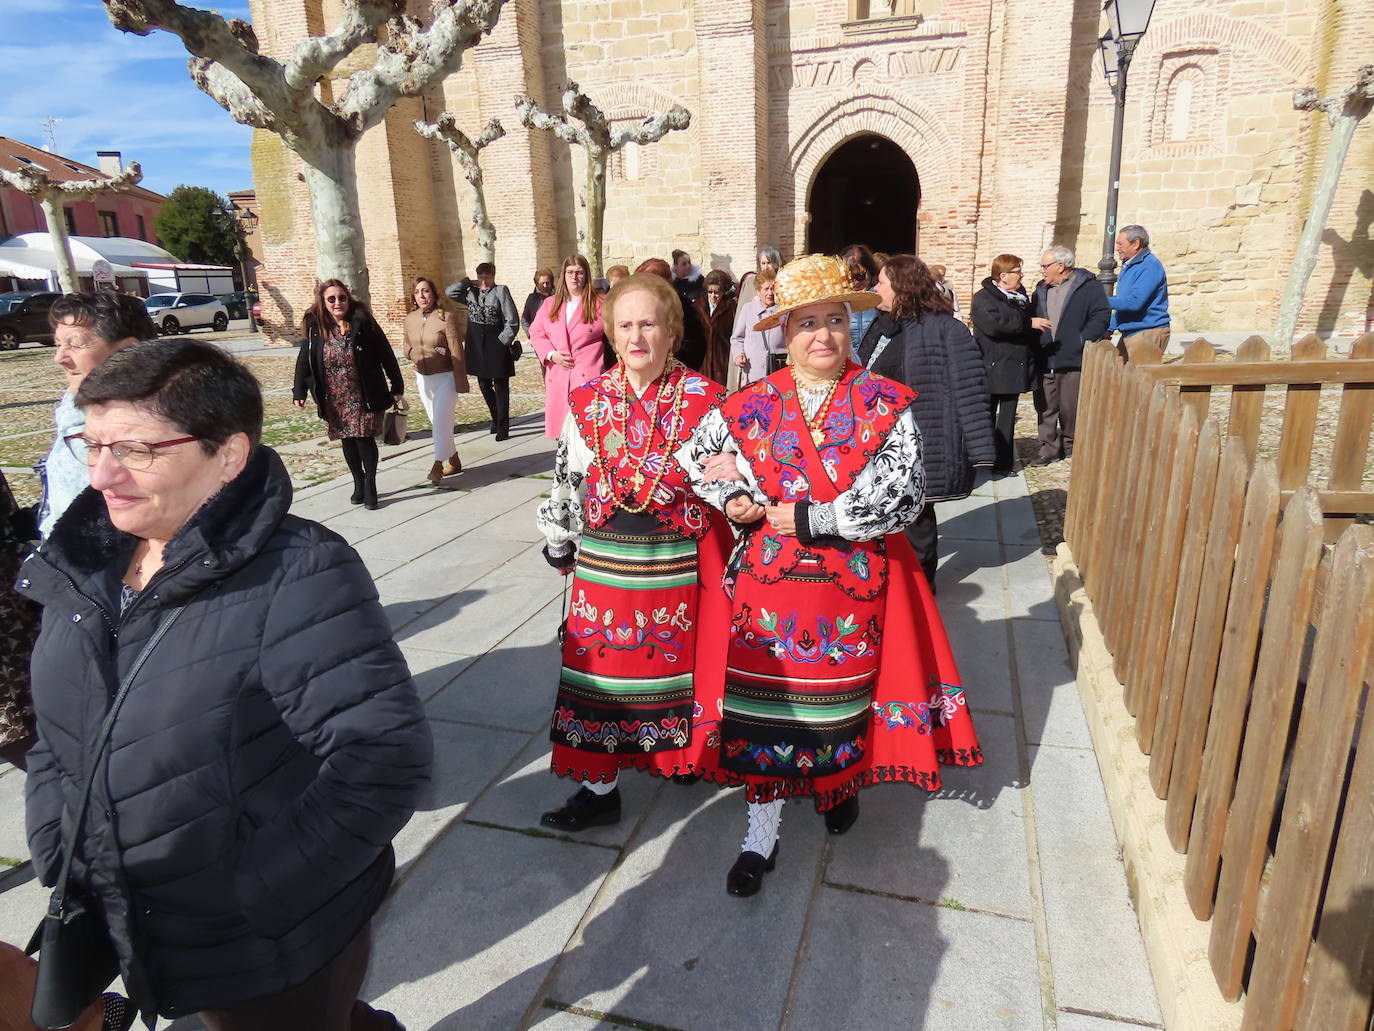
(30, 385)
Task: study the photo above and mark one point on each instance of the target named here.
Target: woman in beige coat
(434, 342)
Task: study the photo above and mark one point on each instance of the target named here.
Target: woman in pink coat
(568, 337)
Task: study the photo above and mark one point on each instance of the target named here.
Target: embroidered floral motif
(806, 761)
(655, 632)
(772, 547)
(611, 735)
(832, 643)
(944, 703)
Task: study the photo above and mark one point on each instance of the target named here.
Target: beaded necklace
(669, 389)
(816, 423)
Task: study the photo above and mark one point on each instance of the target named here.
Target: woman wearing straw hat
(838, 670)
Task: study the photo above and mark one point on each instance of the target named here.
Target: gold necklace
(816, 424)
(667, 390)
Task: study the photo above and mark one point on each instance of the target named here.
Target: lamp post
(1127, 21)
(247, 222)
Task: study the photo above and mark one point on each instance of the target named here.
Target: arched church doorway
(867, 192)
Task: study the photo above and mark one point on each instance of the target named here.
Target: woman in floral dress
(639, 545)
(838, 671)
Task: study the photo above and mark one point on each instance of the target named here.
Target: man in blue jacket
(1140, 309)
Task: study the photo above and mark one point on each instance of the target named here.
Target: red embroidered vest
(632, 436)
(770, 431)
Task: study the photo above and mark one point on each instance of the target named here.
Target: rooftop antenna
(50, 131)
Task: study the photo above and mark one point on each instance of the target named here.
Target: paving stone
(477, 618)
(433, 670)
(1030, 591)
(404, 611)
(21, 908)
(972, 519)
(970, 574)
(910, 965)
(14, 843)
(1083, 1022)
(979, 639)
(1096, 952)
(449, 567)
(466, 760)
(665, 945)
(468, 938)
(562, 1020)
(531, 789)
(1049, 692)
(966, 843)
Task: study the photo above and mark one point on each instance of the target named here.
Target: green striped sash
(634, 563)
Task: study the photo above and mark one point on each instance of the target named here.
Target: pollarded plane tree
(321, 120)
(52, 195)
(466, 150)
(593, 133)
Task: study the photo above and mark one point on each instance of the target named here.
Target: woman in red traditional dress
(838, 671)
(628, 694)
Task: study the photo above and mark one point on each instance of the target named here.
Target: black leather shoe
(584, 809)
(1043, 461)
(842, 817)
(686, 778)
(746, 876)
(356, 498)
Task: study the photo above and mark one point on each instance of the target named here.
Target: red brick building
(128, 213)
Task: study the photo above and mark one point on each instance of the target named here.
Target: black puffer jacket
(239, 830)
(1002, 331)
(935, 356)
(378, 370)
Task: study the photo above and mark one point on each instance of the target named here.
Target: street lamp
(248, 221)
(1127, 21)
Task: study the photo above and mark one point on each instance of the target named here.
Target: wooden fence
(1237, 601)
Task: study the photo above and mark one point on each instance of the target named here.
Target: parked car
(173, 313)
(236, 304)
(24, 316)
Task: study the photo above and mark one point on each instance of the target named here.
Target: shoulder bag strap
(59, 895)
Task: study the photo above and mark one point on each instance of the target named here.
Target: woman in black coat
(348, 367)
(1002, 329)
(237, 841)
(917, 341)
(490, 347)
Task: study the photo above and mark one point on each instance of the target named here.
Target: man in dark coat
(1070, 309)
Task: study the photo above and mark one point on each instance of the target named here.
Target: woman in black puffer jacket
(1002, 330)
(237, 842)
(917, 341)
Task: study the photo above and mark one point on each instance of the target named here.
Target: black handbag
(76, 961)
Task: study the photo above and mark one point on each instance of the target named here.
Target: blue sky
(114, 91)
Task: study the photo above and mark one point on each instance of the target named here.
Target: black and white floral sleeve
(560, 516)
(712, 436)
(884, 497)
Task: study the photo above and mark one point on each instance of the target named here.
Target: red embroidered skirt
(643, 657)
(825, 694)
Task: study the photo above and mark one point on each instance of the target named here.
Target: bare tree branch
(466, 150)
(653, 128)
(317, 56)
(531, 117)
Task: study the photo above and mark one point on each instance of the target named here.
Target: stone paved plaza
(998, 903)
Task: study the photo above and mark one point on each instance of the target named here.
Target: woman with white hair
(767, 259)
(838, 671)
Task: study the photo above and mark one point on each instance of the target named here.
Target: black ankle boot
(356, 498)
(842, 817)
(585, 809)
(746, 876)
(370, 493)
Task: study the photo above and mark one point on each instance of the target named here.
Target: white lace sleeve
(560, 516)
(712, 437)
(884, 497)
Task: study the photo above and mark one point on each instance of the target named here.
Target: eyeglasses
(338, 299)
(1051, 264)
(131, 454)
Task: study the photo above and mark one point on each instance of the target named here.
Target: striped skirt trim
(637, 563)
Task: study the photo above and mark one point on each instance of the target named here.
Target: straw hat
(815, 279)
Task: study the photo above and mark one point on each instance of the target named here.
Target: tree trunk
(339, 250)
(61, 246)
(486, 232)
(1309, 244)
(595, 203)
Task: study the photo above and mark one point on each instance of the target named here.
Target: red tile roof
(15, 155)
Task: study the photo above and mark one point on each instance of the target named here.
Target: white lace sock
(765, 818)
(596, 787)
